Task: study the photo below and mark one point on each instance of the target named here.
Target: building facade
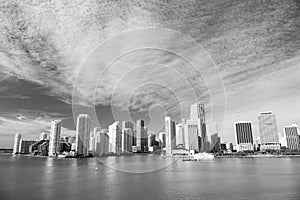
(54, 139)
(115, 138)
(83, 127)
(141, 137)
(170, 130)
(127, 140)
(292, 137)
(244, 136)
(191, 141)
(18, 137)
(102, 142)
(268, 131)
(197, 112)
(179, 134)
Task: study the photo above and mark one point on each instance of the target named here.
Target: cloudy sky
(135, 59)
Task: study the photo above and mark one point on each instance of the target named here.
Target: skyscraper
(102, 142)
(170, 130)
(244, 136)
(17, 143)
(141, 138)
(127, 135)
(292, 137)
(115, 138)
(179, 134)
(151, 139)
(197, 112)
(83, 127)
(212, 133)
(191, 135)
(162, 139)
(54, 139)
(268, 131)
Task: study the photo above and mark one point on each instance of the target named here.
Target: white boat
(203, 156)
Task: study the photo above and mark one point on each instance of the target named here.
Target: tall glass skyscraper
(244, 136)
(292, 137)
(197, 112)
(268, 131)
(141, 137)
(83, 127)
(54, 139)
(268, 128)
(115, 138)
(191, 141)
(17, 143)
(170, 130)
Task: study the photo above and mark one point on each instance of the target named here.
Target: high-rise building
(244, 136)
(179, 134)
(212, 130)
(151, 140)
(162, 139)
(24, 146)
(115, 138)
(197, 112)
(17, 143)
(170, 130)
(128, 139)
(43, 136)
(215, 143)
(54, 139)
(268, 131)
(83, 127)
(92, 146)
(127, 135)
(191, 141)
(141, 138)
(292, 137)
(102, 142)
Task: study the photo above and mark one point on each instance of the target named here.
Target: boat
(199, 157)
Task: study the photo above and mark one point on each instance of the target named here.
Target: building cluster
(269, 138)
(190, 135)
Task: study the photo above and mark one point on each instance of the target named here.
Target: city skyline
(257, 60)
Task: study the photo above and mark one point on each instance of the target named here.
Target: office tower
(151, 140)
(128, 139)
(92, 146)
(43, 136)
(170, 130)
(191, 141)
(212, 130)
(244, 136)
(127, 135)
(102, 142)
(141, 138)
(268, 131)
(24, 146)
(17, 143)
(179, 134)
(83, 127)
(292, 137)
(162, 139)
(54, 139)
(197, 112)
(215, 143)
(115, 138)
